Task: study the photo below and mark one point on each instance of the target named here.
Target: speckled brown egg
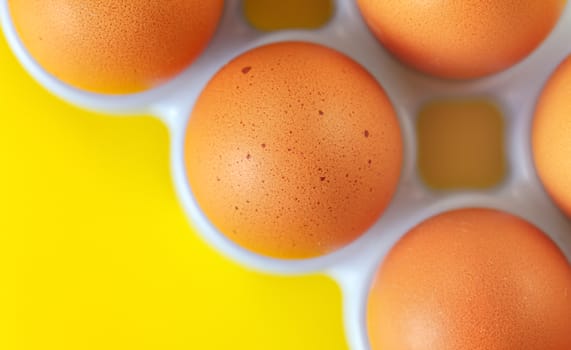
(461, 39)
(115, 47)
(293, 150)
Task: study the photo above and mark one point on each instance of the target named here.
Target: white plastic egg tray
(514, 90)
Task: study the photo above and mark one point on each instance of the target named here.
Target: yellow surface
(95, 252)
(270, 15)
(461, 144)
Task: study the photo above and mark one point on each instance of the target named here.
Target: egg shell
(115, 47)
(551, 136)
(476, 279)
(461, 39)
(293, 150)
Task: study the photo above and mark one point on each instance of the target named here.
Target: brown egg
(293, 150)
(551, 136)
(473, 279)
(115, 47)
(462, 38)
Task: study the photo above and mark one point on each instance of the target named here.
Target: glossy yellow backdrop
(95, 252)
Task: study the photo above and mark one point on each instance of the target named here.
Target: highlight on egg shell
(293, 150)
(472, 279)
(115, 47)
(551, 136)
(461, 39)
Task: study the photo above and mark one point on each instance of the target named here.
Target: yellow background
(96, 253)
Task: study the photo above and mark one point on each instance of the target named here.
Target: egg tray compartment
(515, 91)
